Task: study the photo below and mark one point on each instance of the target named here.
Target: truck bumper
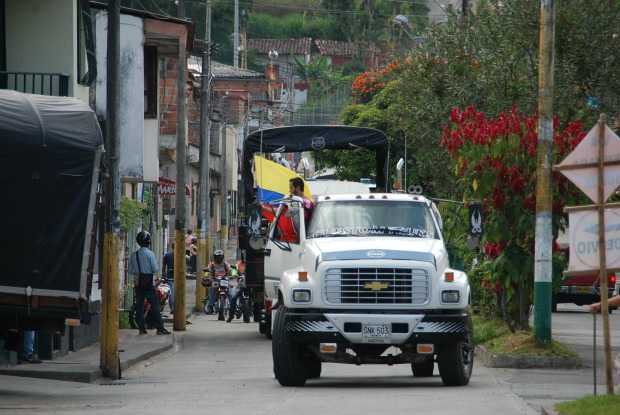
(404, 329)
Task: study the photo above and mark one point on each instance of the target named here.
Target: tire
(423, 368)
(313, 368)
(246, 312)
(288, 359)
(132, 317)
(268, 333)
(455, 363)
(262, 328)
(554, 306)
(220, 315)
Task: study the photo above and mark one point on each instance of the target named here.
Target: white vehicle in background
(369, 273)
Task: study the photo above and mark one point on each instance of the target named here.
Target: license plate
(376, 332)
(584, 290)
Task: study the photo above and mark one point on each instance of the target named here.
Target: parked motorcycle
(162, 291)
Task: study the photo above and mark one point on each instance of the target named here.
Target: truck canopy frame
(50, 155)
(302, 138)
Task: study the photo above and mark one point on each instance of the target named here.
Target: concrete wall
(132, 124)
(41, 36)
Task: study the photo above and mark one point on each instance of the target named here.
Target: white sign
(583, 236)
(585, 153)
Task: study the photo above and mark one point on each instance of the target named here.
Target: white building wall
(41, 36)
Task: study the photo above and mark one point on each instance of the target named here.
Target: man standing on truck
(143, 266)
(296, 187)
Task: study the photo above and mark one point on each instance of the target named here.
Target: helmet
(218, 254)
(143, 239)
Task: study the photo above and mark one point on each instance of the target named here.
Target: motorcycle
(243, 306)
(221, 285)
(162, 291)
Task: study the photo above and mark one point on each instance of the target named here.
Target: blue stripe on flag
(268, 195)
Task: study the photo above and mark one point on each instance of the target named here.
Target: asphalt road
(220, 368)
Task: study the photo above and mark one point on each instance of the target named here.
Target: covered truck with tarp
(294, 139)
(50, 156)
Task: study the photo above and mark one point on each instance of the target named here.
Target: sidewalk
(546, 387)
(83, 365)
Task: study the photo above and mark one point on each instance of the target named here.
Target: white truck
(366, 281)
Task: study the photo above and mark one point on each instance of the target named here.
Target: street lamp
(403, 22)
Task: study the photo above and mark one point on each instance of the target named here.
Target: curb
(545, 410)
(489, 359)
(88, 373)
(131, 362)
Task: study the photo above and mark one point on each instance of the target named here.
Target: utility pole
(543, 244)
(205, 145)
(236, 36)
(225, 187)
(180, 267)
(110, 362)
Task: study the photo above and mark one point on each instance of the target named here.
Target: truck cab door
(283, 250)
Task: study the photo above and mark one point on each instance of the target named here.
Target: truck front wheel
(455, 363)
(288, 361)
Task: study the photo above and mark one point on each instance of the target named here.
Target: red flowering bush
(496, 164)
(367, 84)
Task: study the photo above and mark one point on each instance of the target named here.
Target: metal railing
(52, 84)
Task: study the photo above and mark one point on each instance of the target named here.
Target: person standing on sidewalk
(28, 353)
(168, 271)
(143, 266)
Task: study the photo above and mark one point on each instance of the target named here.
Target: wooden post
(205, 145)
(180, 267)
(110, 363)
(602, 253)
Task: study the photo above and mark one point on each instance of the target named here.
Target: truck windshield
(372, 218)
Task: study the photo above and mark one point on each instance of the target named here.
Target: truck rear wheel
(288, 361)
(424, 367)
(455, 363)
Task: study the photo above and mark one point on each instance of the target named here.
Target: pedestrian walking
(143, 266)
(168, 271)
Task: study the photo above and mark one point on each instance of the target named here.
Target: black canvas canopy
(314, 137)
(50, 148)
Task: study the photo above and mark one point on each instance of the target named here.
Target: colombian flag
(272, 180)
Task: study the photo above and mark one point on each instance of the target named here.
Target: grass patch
(591, 405)
(523, 343)
(486, 329)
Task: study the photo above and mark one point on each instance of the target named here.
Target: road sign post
(594, 167)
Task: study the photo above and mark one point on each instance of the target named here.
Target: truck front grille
(376, 286)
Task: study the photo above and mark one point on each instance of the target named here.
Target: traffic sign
(581, 165)
(584, 243)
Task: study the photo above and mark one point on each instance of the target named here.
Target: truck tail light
(302, 276)
(448, 277)
(612, 280)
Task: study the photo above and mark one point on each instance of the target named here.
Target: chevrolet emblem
(376, 286)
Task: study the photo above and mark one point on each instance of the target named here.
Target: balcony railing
(53, 84)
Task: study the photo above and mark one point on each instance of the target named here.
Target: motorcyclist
(217, 268)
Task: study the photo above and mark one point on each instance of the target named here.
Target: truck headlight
(450, 296)
(302, 296)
